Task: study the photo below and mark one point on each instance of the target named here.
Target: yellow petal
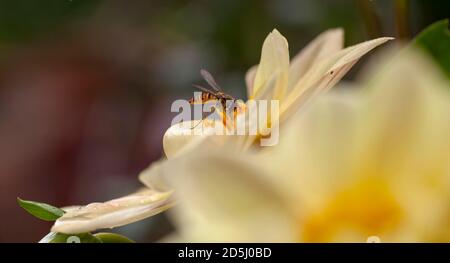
(223, 199)
(324, 74)
(326, 44)
(382, 152)
(314, 145)
(274, 63)
(249, 80)
(411, 126)
(114, 213)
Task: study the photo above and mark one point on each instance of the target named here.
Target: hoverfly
(215, 94)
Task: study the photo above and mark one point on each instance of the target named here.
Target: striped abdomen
(204, 97)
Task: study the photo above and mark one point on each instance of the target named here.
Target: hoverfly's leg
(219, 109)
(224, 118)
(203, 103)
(200, 121)
(231, 111)
(196, 103)
(225, 111)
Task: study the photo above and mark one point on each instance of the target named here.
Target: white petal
(114, 213)
(155, 176)
(187, 135)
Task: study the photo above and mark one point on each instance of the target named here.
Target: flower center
(365, 209)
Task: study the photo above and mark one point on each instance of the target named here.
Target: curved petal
(314, 145)
(250, 79)
(274, 63)
(326, 44)
(187, 135)
(159, 174)
(114, 213)
(224, 199)
(325, 74)
(379, 154)
(407, 139)
(413, 121)
(155, 176)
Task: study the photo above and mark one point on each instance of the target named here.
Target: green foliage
(50, 213)
(40, 210)
(85, 238)
(435, 40)
(74, 238)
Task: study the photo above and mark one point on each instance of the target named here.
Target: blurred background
(86, 85)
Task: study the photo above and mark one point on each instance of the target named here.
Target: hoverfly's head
(240, 106)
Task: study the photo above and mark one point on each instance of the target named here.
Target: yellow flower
(356, 164)
(315, 69)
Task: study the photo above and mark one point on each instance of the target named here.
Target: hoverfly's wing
(210, 80)
(204, 89)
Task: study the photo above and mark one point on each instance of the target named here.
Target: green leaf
(53, 237)
(435, 40)
(40, 210)
(113, 238)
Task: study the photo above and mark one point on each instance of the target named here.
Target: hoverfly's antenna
(210, 80)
